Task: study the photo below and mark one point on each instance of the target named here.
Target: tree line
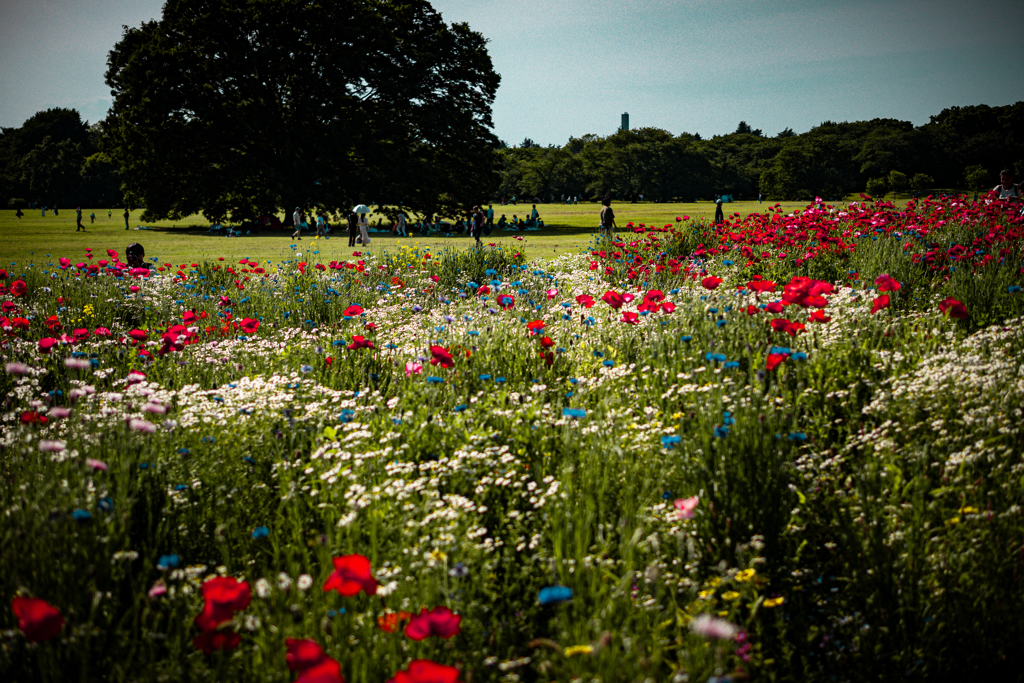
(57, 158)
(54, 159)
(961, 147)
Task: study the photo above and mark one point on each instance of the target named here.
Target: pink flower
(685, 507)
(412, 368)
(96, 464)
(713, 627)
(551, 293)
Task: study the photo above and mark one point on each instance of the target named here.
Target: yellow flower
(774, 602)
(704, 595)
(714, 581)
(745, 575)
(730, 595)
(968, 511)
(578, 650)
(952, 520)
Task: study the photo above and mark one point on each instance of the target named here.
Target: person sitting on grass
(502, 222)
(1007, 189)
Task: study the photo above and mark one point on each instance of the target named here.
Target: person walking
(400, 227)
(364, 226)
(608, 225)
(18, 213)
(478, 224)
(126, 216)
(297, 221)
(78, 219)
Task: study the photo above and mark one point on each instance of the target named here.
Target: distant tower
(625, 121)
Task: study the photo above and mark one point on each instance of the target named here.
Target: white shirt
(296, 219)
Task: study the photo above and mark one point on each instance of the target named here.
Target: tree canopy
(235, 108)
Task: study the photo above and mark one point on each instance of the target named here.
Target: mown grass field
(569, 230)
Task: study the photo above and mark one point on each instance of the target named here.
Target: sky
(572, 67)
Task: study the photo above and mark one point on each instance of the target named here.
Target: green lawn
(569, 229)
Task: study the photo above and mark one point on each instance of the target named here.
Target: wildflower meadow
(786, 447)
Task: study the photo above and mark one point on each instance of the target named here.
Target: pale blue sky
(571, 67)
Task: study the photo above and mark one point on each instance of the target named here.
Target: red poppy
(208, 641)
(886, 283)
(426, 671)
(18, 288)
(711, 282)
(138, 335)
(352, 311)
(352, 573)
(327, 670)
(585, 300)
(668, 307)
(752, 310)
(654, 296)
(250, 325)
(484, 289)
(37, 619)
(46, 344)
(535, 326)
(879, 303)
(302, 653)
(506, 300)
(774, 359)
(613, 299)
(761, 286)
(360, 343)
(389, 620)
(547, 342)
(189, 317)
(439, 621)
(441, 357)
(953, 308)
(224, 596)
(780, 324)
(630, 317)
(774, 307)
(53, 324)
(818, 316)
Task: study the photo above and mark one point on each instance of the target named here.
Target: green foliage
(242, 111)
(976, 177)
(877, 187)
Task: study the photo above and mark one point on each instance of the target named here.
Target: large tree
(240, 107)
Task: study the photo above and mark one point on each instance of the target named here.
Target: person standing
(353, 228)
(297, 221)
(490, 218)
(78, 219)
(110, 213)
(719, 216)
(55, 211)
(321, 225)
(364, 227)
(478, 224)
(534, 215)
(126, 216)
(92, 218)
(400, 228)
(18, 213)
(607, 217)
(44, 212)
